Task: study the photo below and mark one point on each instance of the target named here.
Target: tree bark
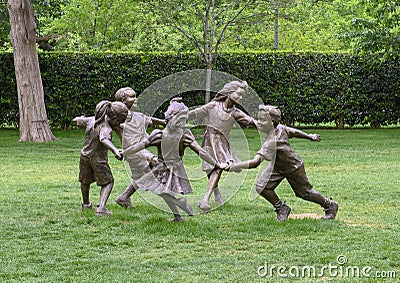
(208, 84)
(276, 26)
(33, 123)
(340, 122)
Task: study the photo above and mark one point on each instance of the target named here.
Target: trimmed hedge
(310, 88)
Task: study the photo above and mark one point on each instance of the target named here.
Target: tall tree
(147, 25)
(278, 5)
(33, 125)
(205, 23)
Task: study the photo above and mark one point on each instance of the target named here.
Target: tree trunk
(208, 85)
(375, 125)
(276, 26)
(33, 123)
(340, 122)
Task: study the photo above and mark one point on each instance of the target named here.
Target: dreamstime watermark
(154, 98)
(340, 269)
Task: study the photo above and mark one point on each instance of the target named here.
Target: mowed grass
(45, 237)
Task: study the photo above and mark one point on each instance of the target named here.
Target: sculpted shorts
(297, 179)
(92, 170)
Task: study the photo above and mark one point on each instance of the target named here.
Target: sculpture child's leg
(213, 179)
(303, 189)
(172, 203)
(185, 206)
(218, 196)
(85, 196)
(267, 191)
(282, 209)
(124, 199)
(105, 191)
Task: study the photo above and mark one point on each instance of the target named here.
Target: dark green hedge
(310, 88)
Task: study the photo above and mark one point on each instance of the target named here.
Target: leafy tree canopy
(377, 30)
(361, 26)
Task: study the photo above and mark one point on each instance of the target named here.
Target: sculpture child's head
(127, 96)
(233, 91)
(115, 113)
(176, 115)
(268, 116)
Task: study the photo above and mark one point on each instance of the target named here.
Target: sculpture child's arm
(81, 121)
(135, 148)
(157, 122)
(153, 139)
(200, 112)
(117, 153)
(248, 164)
(296, 133)
(244, 120)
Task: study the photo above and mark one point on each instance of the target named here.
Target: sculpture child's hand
(315, 137)
(230, 166)
(234, 168)
(77, 118)
(118, 155)
(81, 121)
(224, 165)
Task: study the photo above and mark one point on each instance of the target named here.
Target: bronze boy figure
(287, 165)
(134, 131)
(94, 154)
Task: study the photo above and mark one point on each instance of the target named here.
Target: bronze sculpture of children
(134, 131)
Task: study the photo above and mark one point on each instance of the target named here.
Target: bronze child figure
(287, 165)
(168, 177)
(134, 131)
(94, 165)
(222, 115)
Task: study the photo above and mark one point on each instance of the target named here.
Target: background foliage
(310, 88)
(361, 26)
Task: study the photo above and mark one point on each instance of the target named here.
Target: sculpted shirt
(134, 131)
(93, 146)
(286, 160)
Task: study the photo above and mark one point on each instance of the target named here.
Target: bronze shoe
(331, 210)
(282, 213)
(124, 202)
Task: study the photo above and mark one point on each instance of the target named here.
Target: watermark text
(340, 269)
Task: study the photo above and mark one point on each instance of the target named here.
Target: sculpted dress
(220, 123)
(169, 175)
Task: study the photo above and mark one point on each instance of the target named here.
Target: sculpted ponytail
(101, 111)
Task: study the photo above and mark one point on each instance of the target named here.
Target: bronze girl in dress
(221, 114)
(168, 177)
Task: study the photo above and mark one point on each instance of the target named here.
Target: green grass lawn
(46, 238)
